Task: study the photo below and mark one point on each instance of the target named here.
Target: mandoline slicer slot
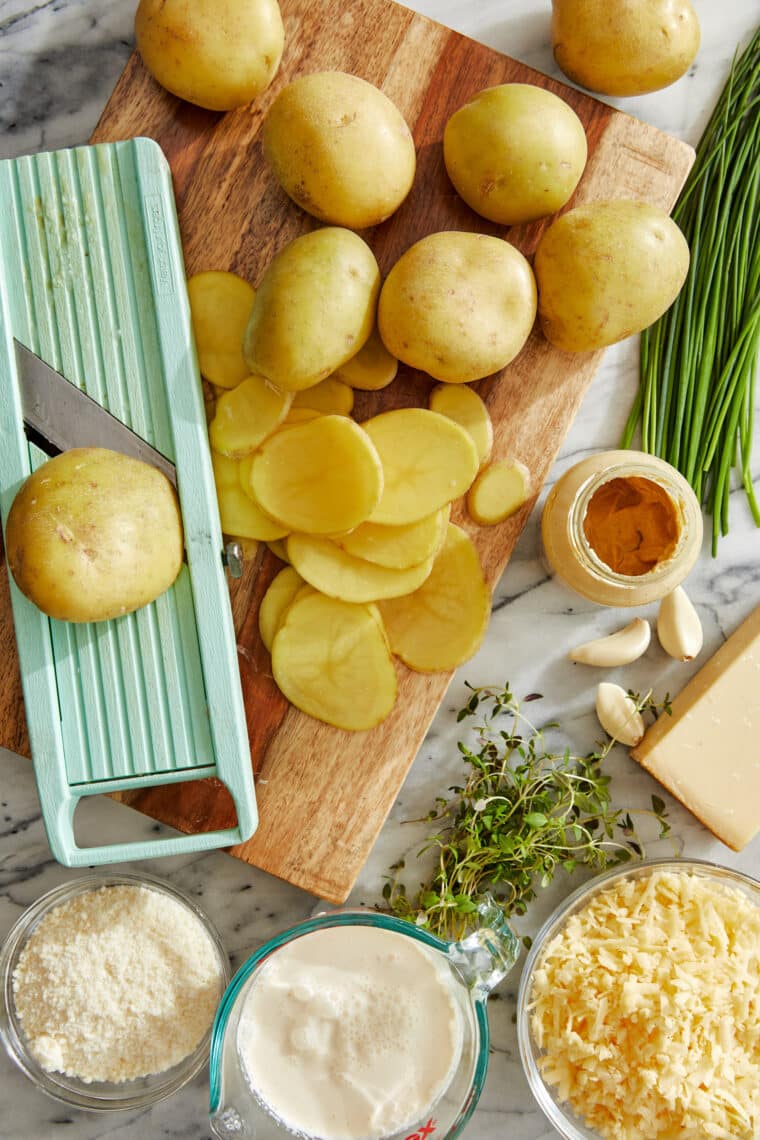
(92, 280)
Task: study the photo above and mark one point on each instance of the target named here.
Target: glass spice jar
(622, 528)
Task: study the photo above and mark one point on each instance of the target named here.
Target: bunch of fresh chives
(698, 362)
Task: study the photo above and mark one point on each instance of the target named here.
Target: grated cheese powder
(647, 1005)
(116, 983)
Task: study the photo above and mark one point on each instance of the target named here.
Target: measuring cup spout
(489, 953)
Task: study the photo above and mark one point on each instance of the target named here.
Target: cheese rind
(707, 753)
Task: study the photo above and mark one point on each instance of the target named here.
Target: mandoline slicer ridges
(92, 280)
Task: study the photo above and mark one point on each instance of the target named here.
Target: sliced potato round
(246, 416)
(330, 397)
(220, 304)
(322, 477)
(331, 660)
(226, 470)
(281, 592)
(442, 623)
(277, 546)
(427, 459)
(328, 568)
(240, 515)
(297, 416)
(500, 489)
(398, 547)
(372, 368)
(464, 406)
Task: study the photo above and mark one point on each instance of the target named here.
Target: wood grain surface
(323, 793)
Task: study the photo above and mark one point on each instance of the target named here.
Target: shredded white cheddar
(647, 1008)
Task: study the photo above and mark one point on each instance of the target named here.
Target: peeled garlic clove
(678, 626)
(618, 714)
(619, 648)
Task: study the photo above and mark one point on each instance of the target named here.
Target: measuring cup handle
(487, 955)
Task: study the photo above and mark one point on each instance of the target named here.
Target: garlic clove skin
(620, 648)
(678, 626)
(618, 714)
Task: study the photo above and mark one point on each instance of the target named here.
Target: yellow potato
(331, 660)
(515, 152)
(340, 148)
(326, 567)
(94, 534)
(372, 368)
(624, 47)
(500, 489)
(442, 624)
(330, 397)
(464, 406)
(218, 56)
(313, 310)
(220, 304)
(322, 477)
(607, 270)
(246, 416)
(240, 515)
(459, 306)
(427, 461)
(398, 547)
(281, 592)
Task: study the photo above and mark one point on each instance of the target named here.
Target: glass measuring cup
(477, 964)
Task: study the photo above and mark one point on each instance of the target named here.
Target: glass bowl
(100, 1096)
(559, 1113)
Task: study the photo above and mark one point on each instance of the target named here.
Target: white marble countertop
(59, 60)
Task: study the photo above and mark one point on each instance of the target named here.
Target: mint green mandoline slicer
(92, 280)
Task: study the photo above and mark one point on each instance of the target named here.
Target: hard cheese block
(707, 753)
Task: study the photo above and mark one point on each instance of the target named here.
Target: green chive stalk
(698, 363)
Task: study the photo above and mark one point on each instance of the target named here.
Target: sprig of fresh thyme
(524, 811)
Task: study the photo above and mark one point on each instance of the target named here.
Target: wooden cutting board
(323, 793)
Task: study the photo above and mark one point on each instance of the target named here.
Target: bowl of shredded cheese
(639, 1006)
(110, 984)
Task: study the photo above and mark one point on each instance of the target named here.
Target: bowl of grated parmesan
(639, 1006)
(110, 984)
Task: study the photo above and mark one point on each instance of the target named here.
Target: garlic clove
(678, 626)
(620, 648)
(618, 714)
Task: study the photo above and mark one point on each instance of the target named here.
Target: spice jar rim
(98, 1096)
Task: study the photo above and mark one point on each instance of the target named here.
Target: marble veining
(59, 61)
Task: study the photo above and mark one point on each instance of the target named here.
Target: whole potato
(607, 270)
(458, 306)
(314, 309)
(218, 56)
(515, 152)
(340, 148)
(94, 534)
(624, 47)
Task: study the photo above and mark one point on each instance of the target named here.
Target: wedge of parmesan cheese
(707, 752)
(646, 1007)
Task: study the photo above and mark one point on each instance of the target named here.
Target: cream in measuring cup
(357, 1026)
(351, 1033)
